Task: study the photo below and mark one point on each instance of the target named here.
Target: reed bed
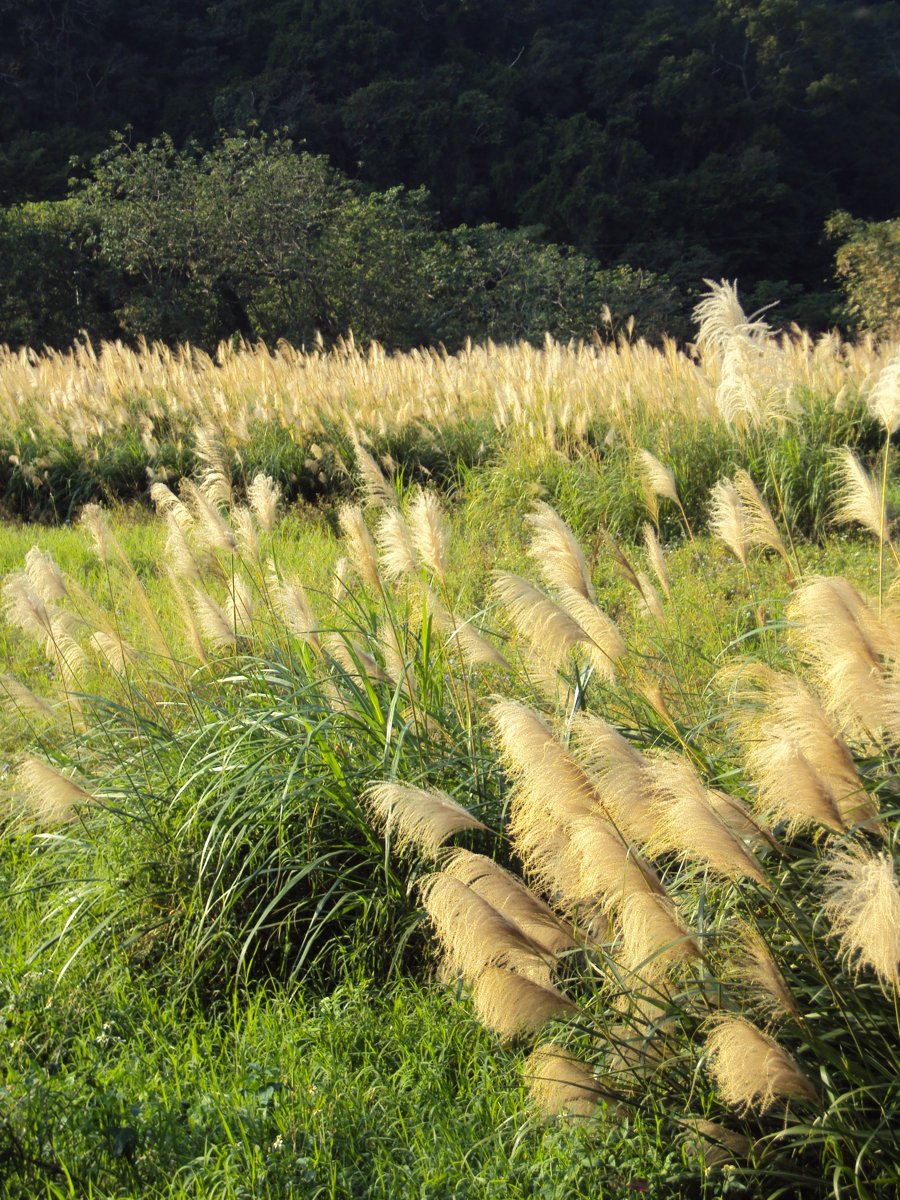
(107, 420)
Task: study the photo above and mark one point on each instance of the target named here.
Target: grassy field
(515, 816)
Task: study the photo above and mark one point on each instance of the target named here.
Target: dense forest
(687, 138)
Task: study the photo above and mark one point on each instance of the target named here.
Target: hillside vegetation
(520, 819)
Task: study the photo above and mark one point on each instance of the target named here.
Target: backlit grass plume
(512, 1005)
(558, 1083)
(750, 1069)
(862, 904)
(51, 796)
(418, 817)
(860, 500)
(473, 935)
(557, 553)
(657, 481)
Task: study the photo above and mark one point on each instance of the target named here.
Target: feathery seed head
(417, 817)
(511, 1005)
(264, 495)
(728, 519)
(863, 906)
(557, 552)
(360, 546)
(52, 796)
(398, 556)
(859, 499)
(429, 533)
(750, 1069)
(558, 1082)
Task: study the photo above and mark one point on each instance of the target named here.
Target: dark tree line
(689, 138)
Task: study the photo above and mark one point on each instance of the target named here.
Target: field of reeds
(464, 777)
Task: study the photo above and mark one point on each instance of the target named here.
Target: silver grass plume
(188, 616)
(716, 1144)
(45, 576)
(462, 634)
(657, 559)
(760, 526)
(360, 546)
(617, 772)
(511, 1005)
(728, 519)
(545, 624)
(25, 609)
(750, 1069)
(755, 967)
(168, 505)
(114, 650)
(23, 700)
(247, 535)
(541, 767)
(209, 524)
(512, 898)
(802, 767)
(340, 586)
(52, 796)
(557, 552)
(353, 659)
(859, 499)
(473, 935)
(884, 398)
(654, 937)
(429, 533)
(398, 555)
(215, 480)
(603, 641)
(844, 642)
(264, 496)
(379, 492)
(214, 624)
(559, 1083)
(93, 519)
(721, 318)
(417, 817)
(686, 822)
(650, 598)
(179, 555)
(657, 481)
(862, 902)
(294, 608)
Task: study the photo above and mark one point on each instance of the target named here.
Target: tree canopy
(690, 137)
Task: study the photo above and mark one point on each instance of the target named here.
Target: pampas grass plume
(429, 533)
(360, 546)
(52, 796)
(418, 817)
(728, 519)
(511, 1005)
(750, 1069)
(509, 896)
(863, 906)
(398, 555)
(264, 496)
(558, 1082)
(657, 481)
(557, 552)
(474, 935)
(859, 499)
(657, 559)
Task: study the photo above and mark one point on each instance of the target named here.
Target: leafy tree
(52, 283)
(868, 263)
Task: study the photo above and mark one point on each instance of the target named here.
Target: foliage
(692, 140)
(868, 263)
